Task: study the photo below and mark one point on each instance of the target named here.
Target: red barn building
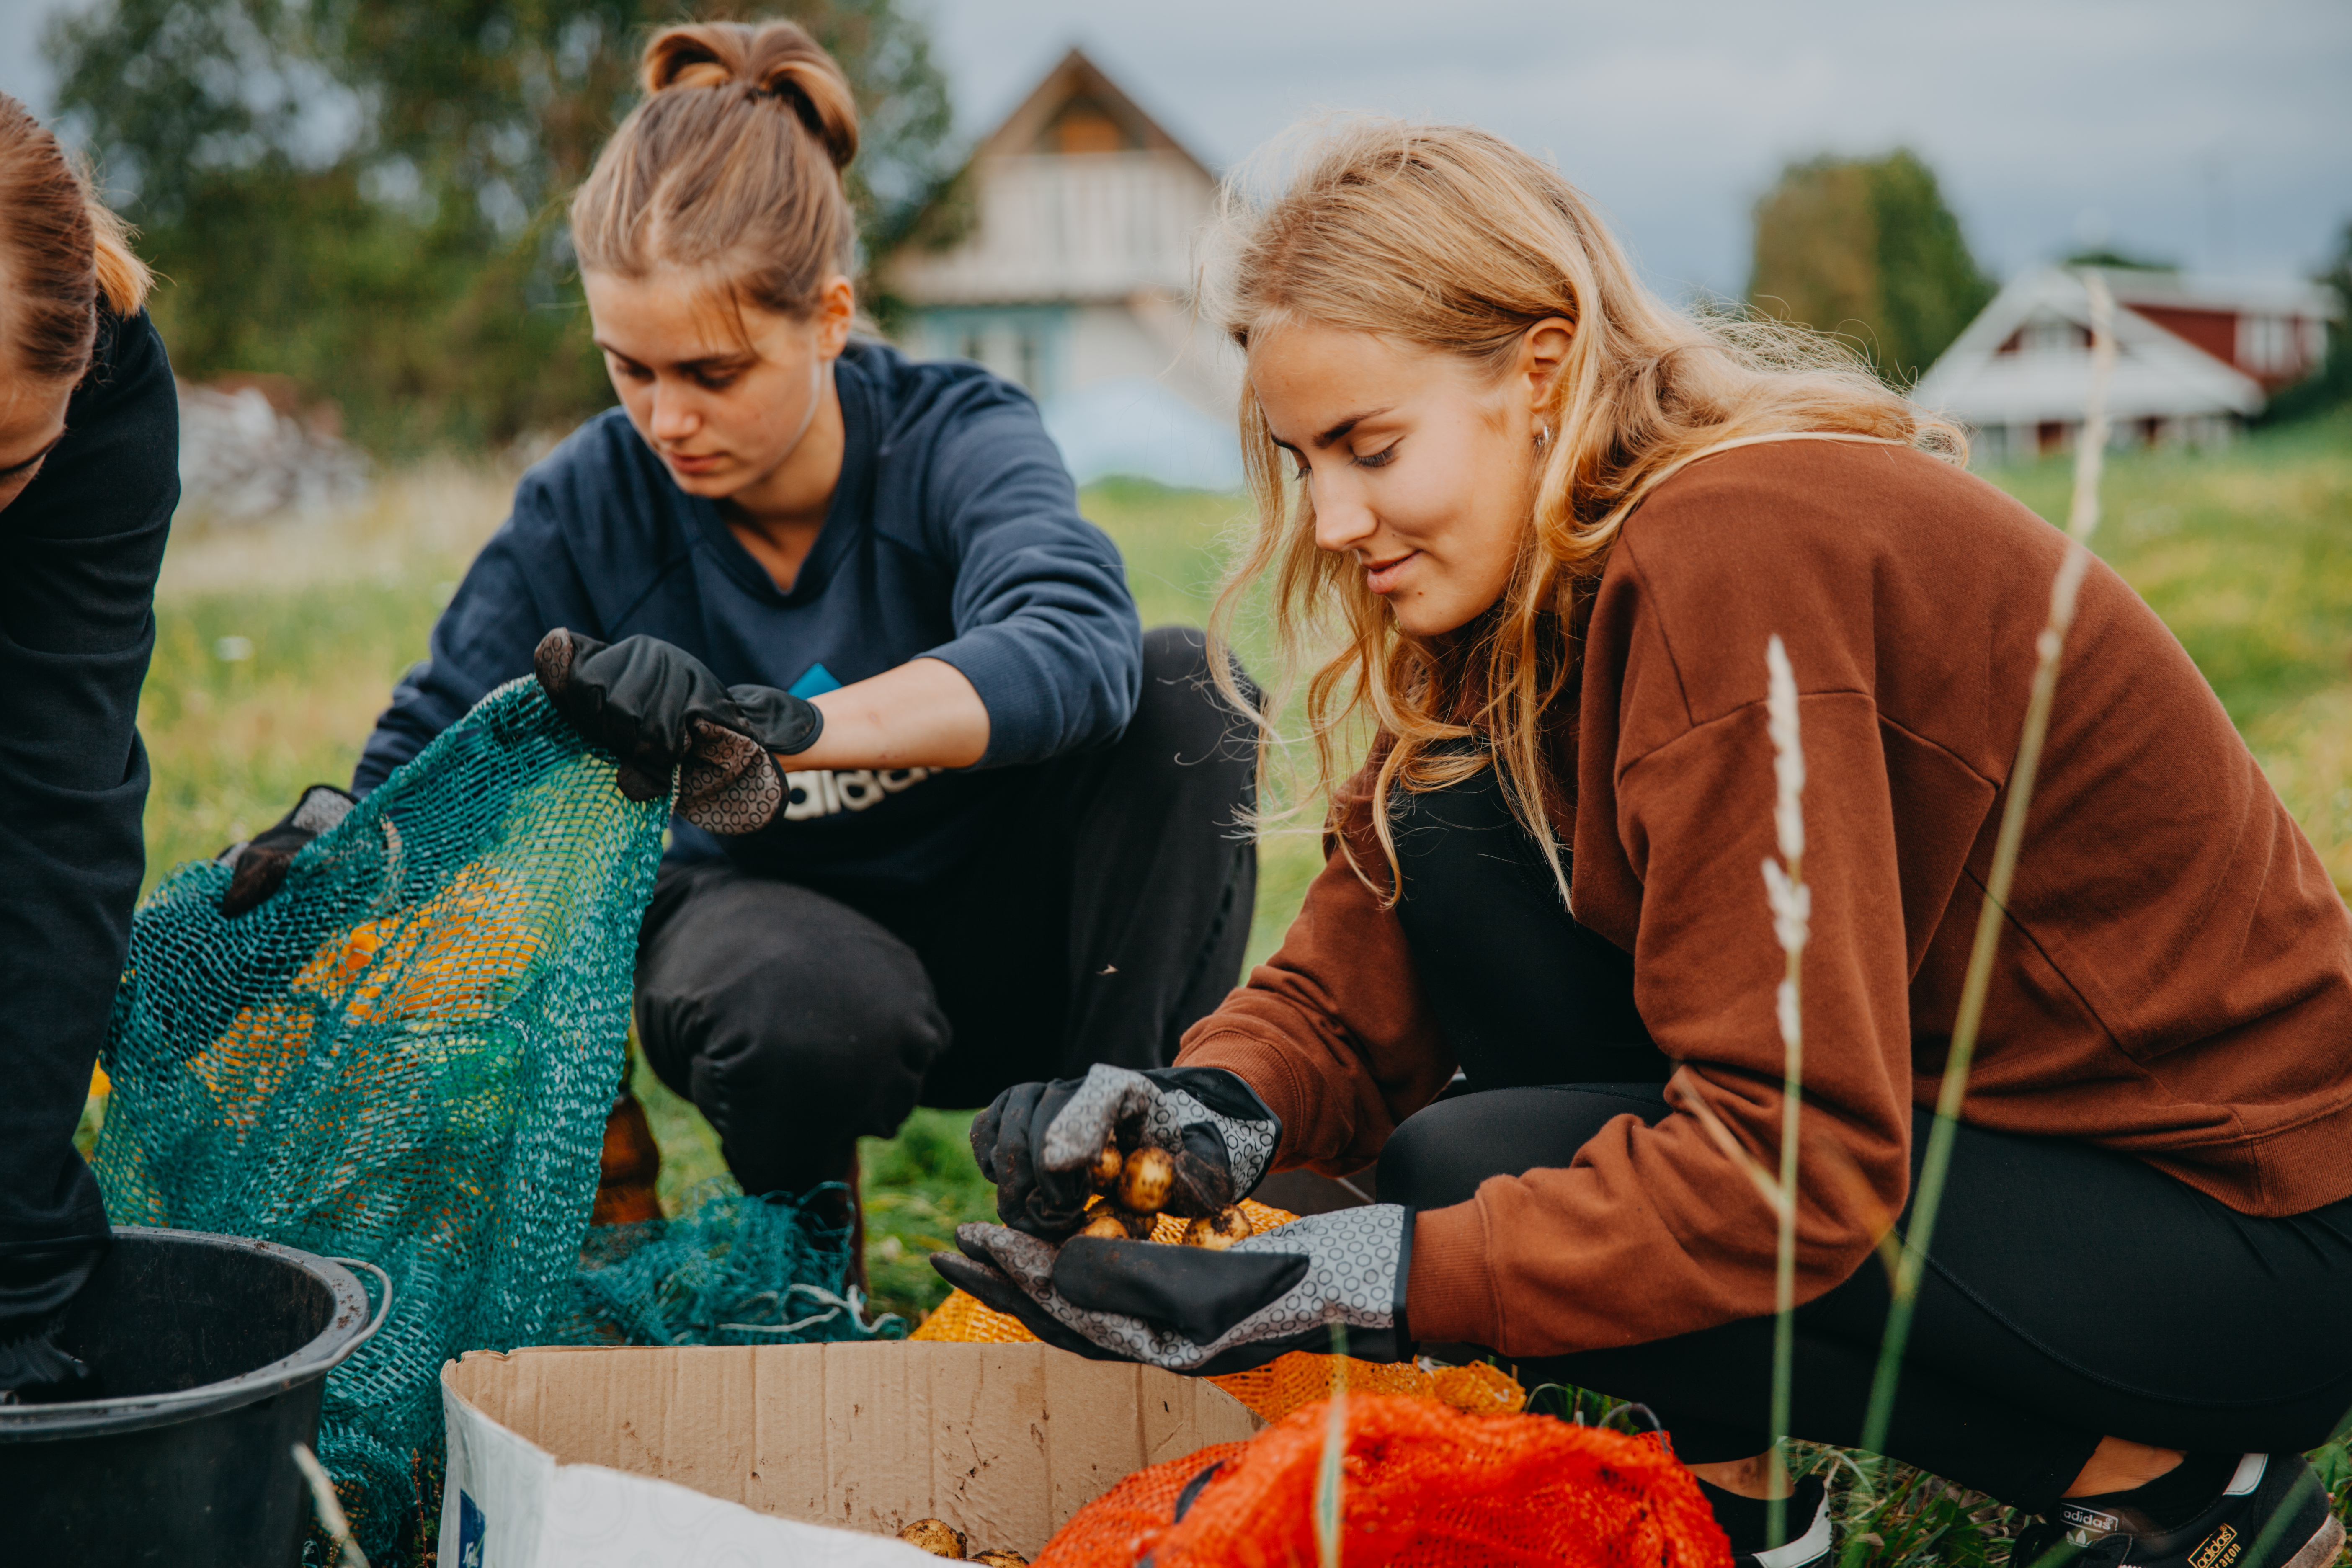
(2195, 358)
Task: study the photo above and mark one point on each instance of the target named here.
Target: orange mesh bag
(1422, 1487)
(1302, 1377)
(1118, 1528)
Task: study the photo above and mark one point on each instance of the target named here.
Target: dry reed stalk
(1793, 913)
(2082, 518)
(328, 1508)
(1328, 1476)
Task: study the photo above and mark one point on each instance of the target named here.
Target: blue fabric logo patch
(471, 1528)
(815, 683)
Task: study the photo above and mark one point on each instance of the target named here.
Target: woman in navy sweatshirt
(999, 839)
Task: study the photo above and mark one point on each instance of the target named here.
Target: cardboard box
(794, 1454)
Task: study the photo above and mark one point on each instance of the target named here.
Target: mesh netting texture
(730, 1270)
(406, 1055)
(1420, 1486)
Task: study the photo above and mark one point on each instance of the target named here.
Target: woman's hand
(660, 711)
(1039, 1142)
(260, 863)
(1191, 1310)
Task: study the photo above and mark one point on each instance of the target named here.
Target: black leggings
(2072, 1293)
(1106, 911)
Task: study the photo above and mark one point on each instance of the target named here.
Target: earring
(1543, 437)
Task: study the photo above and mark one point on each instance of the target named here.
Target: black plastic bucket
(210, 1353)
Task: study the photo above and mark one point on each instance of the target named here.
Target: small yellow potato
(1110, 1224)
(1220, 1230)
(1105, 1168)
(936, 1536)
(1148, 1181)
(1000, 1557)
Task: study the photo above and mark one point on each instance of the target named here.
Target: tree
(2330, 388)
(1867, 250)
(370, 197)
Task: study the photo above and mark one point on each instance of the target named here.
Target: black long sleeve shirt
(79, 550)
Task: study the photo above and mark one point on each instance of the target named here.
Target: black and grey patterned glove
(1038, 1141)
(258, 864)
(657, 709)
(1189, 1310)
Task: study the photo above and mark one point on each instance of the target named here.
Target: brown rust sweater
(2174, 979)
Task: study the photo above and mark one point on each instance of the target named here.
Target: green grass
(2247, 553)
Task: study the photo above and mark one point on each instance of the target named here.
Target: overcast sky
(2213, 132)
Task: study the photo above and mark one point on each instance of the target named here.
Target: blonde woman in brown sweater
(1549, 524)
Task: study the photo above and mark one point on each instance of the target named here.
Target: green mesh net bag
(406, 1055)
(730, 1270)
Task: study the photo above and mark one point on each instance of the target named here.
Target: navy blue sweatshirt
(953, 535)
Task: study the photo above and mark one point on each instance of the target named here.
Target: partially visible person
(90, 441)
(947, 818)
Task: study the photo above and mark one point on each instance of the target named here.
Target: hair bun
(817, 91)
(771, 59)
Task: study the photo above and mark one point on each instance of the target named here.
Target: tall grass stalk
(2082, 518)
(1328, 1476)
(1792, 912)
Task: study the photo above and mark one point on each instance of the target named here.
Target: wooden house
(1062, 257)
(2195, 358)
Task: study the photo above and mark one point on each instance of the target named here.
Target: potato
(1107, 1166)
(936, 1536)
(1000, 1557)
(1110, 1224)
(1220, 1230)
(1146, 1181)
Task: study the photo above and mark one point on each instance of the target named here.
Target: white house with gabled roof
(2195, 357)
(1062, 258)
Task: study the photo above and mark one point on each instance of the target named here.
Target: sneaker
(1742, 1519)
(2222, 1536)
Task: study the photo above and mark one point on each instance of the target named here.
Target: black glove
(35, 1287)
(260, 862)
(658, 710)
(1189, 1310)
(1038, 1141)
(33, 1371)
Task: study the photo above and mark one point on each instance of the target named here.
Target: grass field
(276, 648)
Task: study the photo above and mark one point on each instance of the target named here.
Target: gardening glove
(659, 711)
(1038, 1141)
(1189, 1310)
(32, 1370)
(35, 1287)
(259, 863)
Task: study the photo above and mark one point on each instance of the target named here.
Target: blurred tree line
(369, 198)
(1868, 250)
(2332, 388)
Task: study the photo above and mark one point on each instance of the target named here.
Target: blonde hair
(63, 254)
(731, 167)
(1450, 239)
